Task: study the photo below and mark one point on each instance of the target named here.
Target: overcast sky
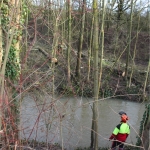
(142, 4)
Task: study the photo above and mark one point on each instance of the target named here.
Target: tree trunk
(148, 69)
(63, 24)
(134, 52)
(16, 8)
(102, 41)
(54, 47)
(69, 39)
(108, 15)
(1, 56)
(120, 9)
(80, 41)
(96, 84)
(90, 49)
(129, 45)
(50, 17)
(146, 81)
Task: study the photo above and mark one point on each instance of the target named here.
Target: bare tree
(134, 52)
(102, 41)
(129, 44)
(69, 39)
(1, 56)
(80, 40)
(90, 49)
(96, 82)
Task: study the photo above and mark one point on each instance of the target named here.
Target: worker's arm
(115, 132)
(112, 136)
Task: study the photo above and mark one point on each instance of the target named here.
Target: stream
(68, 120)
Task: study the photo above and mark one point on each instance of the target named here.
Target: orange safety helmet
(124, 118)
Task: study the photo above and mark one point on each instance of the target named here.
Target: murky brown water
(41, 124)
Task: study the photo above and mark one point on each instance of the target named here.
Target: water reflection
(75, 115)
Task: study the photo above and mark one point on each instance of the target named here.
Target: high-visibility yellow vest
(122, 128)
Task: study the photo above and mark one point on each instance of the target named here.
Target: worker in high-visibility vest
(120, 132)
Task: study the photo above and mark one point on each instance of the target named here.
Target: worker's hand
(111, 137)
